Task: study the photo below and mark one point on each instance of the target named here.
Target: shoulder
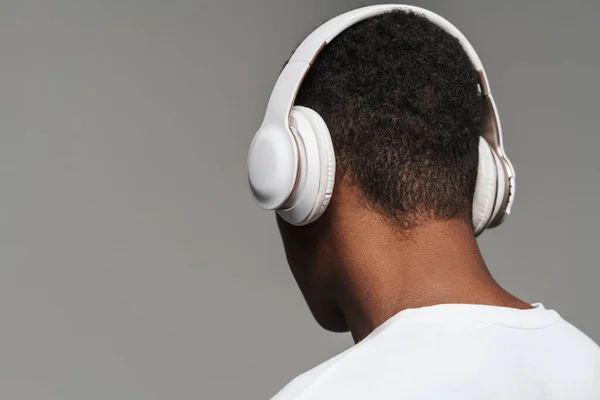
(313, 381)
(345, 374)
(298, 386)
(308, 380)
(573, 343)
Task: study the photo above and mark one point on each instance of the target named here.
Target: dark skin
(356, 269)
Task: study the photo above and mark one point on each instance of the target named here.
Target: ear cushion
(314, 186)
(486, 188)
(327, 160)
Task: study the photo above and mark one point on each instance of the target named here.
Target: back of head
(400, 98)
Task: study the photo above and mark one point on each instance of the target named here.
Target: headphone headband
(286, 88)
(323, 35)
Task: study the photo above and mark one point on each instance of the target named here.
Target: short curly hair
(400, 98)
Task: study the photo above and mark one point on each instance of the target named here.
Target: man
(394, 259)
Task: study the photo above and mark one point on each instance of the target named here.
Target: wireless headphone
(291, 161)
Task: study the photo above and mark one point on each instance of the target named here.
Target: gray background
(134, 264)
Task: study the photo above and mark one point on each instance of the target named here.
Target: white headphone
(291, 162)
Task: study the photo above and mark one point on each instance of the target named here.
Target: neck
(381, 273)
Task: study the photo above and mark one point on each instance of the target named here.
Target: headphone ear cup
(486, 188)
(317, 168)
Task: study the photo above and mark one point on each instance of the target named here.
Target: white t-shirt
(460, 351)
